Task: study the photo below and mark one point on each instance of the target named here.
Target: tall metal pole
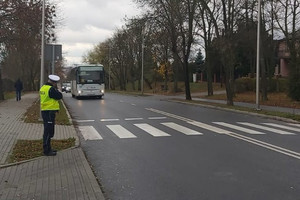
(53, 58)
(43, 45)
(109, 56)
(142, 83)
(258, 55)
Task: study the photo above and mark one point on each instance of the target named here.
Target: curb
(67, 111)
(77, 144)
(239, 111)
(33, 159)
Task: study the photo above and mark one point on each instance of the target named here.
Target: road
(149, 148)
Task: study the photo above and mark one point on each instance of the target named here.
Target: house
(284, 56)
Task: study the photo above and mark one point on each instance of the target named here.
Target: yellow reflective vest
(47, 103)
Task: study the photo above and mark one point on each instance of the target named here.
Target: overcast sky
(85, 23)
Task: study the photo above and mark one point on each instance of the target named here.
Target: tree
(178, 18)
(224, 21)
(21, 36)
(199, 62)
(287, 17)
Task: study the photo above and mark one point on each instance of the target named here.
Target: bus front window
(90, 77)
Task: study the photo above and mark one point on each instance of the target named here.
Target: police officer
(49, 96)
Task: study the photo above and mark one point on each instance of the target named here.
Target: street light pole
(258, 55)
(43, 45)
(109, 56)
(143, 46)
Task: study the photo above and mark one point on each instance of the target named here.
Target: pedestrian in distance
(19, 88)
(49, 97)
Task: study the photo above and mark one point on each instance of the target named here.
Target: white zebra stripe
(266, 128)
(246, 130)
(152, 130)
(209, 127)
(282, 126)
(89, 133)
(181, 129)
(120, 131)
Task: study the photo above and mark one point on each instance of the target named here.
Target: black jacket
(19, 85)
(54, 93)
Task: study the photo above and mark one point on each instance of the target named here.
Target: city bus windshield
(90, 77)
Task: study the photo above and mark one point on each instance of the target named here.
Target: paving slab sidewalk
(62, 177)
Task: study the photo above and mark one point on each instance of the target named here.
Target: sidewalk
(66, 176)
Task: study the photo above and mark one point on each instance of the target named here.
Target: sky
(85, 23)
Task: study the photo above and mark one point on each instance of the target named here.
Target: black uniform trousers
(49, 124)
(18, 95)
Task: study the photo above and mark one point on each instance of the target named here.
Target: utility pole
(109, 56)
(43, 45)
(142, 81)
(258, 55)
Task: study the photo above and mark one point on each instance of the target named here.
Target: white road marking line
(266, 145)
(238, 136)
(133, 119)
(109, 120)
(89, 133)
(133, 104)
(157, 118)
(298, 125)
(152, 130)
(84, 120)
(246, 130)
(208, 127)
(282, 126)
(181, 129)
(169, 114)
(120, 131)
(266, 128)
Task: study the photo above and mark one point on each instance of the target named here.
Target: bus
(87, 81)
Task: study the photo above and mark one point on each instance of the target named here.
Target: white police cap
(54, 78)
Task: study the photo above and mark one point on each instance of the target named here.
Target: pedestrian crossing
(120, 131)
(198, 129)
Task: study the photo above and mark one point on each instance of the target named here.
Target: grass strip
(29, 149)
(32, 114)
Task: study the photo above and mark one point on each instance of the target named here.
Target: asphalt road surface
(147, 148)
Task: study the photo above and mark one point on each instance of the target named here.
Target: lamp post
(109, 57)
(43, 45)
(142, 81)
(258, 55)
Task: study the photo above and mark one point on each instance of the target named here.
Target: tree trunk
(175, 74)
(229, 84)
(209, 77)
(148, 83)
(187, 81)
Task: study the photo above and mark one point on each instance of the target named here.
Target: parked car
(66, 87)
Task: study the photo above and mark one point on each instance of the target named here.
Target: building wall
(283, 54)
(284, 72)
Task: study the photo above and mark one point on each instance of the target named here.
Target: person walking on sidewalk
(49, 96)
(19, 88)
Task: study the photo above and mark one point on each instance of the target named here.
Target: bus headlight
(102, 91)
(79, 91)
